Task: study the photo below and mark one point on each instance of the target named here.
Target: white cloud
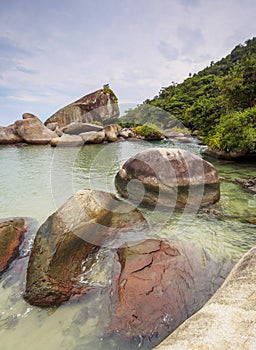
(54, 52)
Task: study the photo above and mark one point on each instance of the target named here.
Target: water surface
(36, 180)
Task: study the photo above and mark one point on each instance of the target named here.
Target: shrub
(235, 132)
(148, 131)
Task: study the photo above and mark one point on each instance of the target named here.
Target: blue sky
(53, 52)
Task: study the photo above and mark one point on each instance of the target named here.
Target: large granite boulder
(67, 141)
(11, 236)
(228, 320)
(33, 131)
(169, 177)
(8, 135)
(100, 105)
(66, 245)
(161, 285)
(79, 128)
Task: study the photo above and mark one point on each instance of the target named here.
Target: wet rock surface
(248, 184)
(161, 285)
(228, 319)
(168, 177)
(11, 236)
(66, 245)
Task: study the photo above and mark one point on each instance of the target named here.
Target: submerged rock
(228, 320)
(161, 285)
(33, 131)
(169, 177)
(8, 135)
(248, 184)
(11, 236)
(100, 105)
(66, 245)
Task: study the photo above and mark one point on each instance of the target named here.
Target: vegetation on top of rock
(148, 131)
(109, 91)
(218, 102)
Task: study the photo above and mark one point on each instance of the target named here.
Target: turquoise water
(36, 180)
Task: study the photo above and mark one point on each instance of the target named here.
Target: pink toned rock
(160, 286)
(11, 236)
(33, 131)
(8, 135)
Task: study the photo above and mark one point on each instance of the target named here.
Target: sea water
(36, 180)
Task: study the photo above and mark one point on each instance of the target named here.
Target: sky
(53, 52)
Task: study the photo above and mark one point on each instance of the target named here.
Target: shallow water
(36, 180)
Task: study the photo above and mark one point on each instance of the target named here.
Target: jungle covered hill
(218, 102)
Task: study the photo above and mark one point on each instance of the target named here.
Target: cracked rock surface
(160, 285)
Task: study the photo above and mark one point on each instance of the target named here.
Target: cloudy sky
(55, 51)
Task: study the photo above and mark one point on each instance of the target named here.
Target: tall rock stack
(99, 106)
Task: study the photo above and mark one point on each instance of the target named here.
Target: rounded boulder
(169, 177)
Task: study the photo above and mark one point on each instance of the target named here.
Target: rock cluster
(77, 118)
(78, 134)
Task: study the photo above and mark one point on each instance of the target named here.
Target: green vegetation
(148, 131)
(107, 90)
(96, 122)
(235, 132)
(219, 102)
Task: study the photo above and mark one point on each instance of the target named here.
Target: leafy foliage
(235, 132)
(149, 131)
(216, 102)
(107, 90)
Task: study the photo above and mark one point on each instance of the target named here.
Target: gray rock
(93, 136)
(173, 134)
(100, 105)
(169, 177)
(79, 128)
(126, 133)
(67, 141)
(228, 320)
